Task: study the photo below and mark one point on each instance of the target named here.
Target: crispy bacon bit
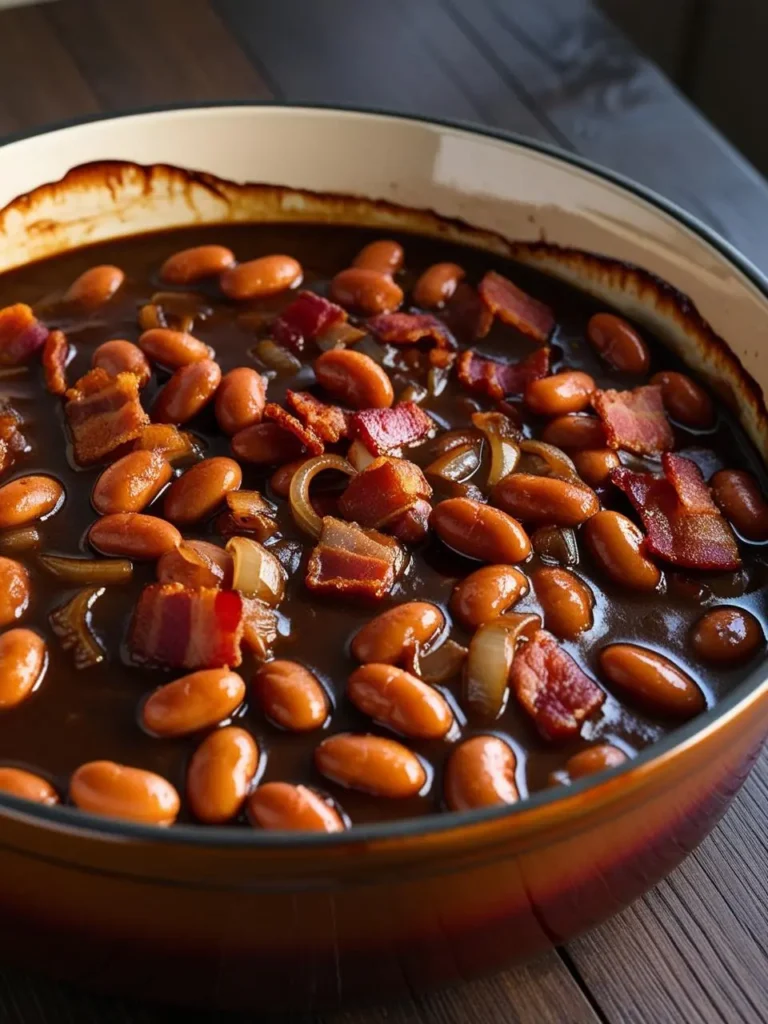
(410, 526)
(308, 316)
(682, 522)
(552, 688)
(441, 358)
(513, 306)
(329, 422)
(383, 493)
(467, 315)
(487, 377)
(635, 420)
(171, 442)
(259, 627)
(305, 434)
(55, 355)
(353, 562)
(385, 431)
(12, 441)
(184, 628)
(103, 413)
(248, 512)
(408, 328)
(21, 334)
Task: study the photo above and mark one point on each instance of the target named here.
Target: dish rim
(747, 692)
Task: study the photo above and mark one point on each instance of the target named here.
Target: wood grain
(695, 949)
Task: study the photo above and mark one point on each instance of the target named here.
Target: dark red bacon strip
(483, 376)
(408, 328)
(635, 420)
(682, 523)
(513, 306)
(184, 628)
(103, 413)
(307, 317)
(383, 492)
(353, 562)
(55, 355)
(386, 431)
(552, 688)
(21, 334)
(306, 435)
(329, 422)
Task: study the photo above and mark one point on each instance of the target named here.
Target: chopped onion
(359, 456)
(260, 626)
(556, 544)
(96, 571)
(339, 336)
(458, 464)
(72, 625)
(151, 317)
(15, 542)
(504, 442)
(437, 379)
(276, 357)
(256, 572)
(414, 393)
(443, 663)
(489, 661)
(556, 462)
(304, 515)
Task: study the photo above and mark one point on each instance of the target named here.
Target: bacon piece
(259, 626)
(305, 434)
(55, 355)
(408, 328)
(484, 376)
(385, 431)
(21, 334)
(410, 525)
(308, 316)
(103, 413)
(552, 688)
(513, 306)
(383, 493)
(683, 525)
(166, 439)
(12, 441)
(184, 628)
(353, 562)
(329, 422)
(635, 420)
(467, 315)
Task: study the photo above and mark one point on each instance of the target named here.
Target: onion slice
(72, 625)
(457, 464)
(358, 455)
(95, 571)
(504, 442)
(304, 515)
(276, 357)
(556, 462)
(443, 663)
(256, 572)
(18, 540)
(339, 335)
(489, 661)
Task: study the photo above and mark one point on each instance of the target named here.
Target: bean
(197, 493)
(95, 287)
(574, 431)
(287, 808)
(266, 444)
(17, 782)
(196, 563)
(28, 498)
(187, 392)
(366, 290)
(131, 483)
(354, 379)
(618, 343)
(372, 764)
(566, 601)
(594, 759)
(384, 256)
(280, 481)
(117, 791)
(405, 629)
(190, 265)
(560, 394)
(479, 531)
(257, 279)
(481, 773)
(173, 349)
(487, 593)
(133, 535)
(595, 465)
(220, 773)
(400, 701)
(741, 501)
(23, 659)
(119, 356)
(240, 399)
(651, 680)
(292, 696)
(195, 701)
(684, 400)
(545, 499)
(727, 636)
(616, 545)
(14, 591)
(437, 285)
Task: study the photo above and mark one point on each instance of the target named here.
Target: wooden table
(694, 949)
